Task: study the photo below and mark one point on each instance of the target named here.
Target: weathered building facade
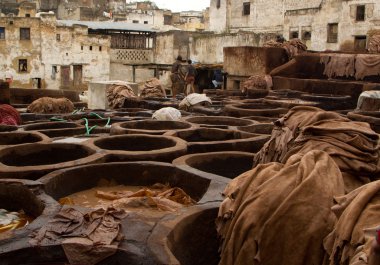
(322, 24)
(41, 53)
(189, 20)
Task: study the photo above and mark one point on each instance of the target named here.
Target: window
(217, 3)
(27, 15)
(100, 48)
(293, 35)
(2, 33)
(135, 21)
(306, 35)
(360, 43)
(145, 22)
(360, 13)
(246, 9)
(90, 48)
(58, 37)
(81, 48)
(24, 33)
(167, 20)
(22, 65)
(36, 82)
(54, 71)
(332, 33)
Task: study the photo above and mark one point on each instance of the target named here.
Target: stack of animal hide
(118, 94)
(374, 44)
(307, 199)
(51, 105)
(152, 88)
(257, 82)
(293, 47)
(9, 115)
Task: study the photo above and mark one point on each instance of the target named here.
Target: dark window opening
(306, 35)
(246, 9)
(360, 43)
(58, 37)
(332, 33)
(294, 35)
(135, 21)
(54, 71)
(100, 48)
(236, 84)
(11, 22)
(2, 33)
(360, 13)
(217, 3)
(90, 48)
(24, 33)
(36, 82)
(27, 15)
(167, 20)
(81, 48)
(145, 22)
(23, 65)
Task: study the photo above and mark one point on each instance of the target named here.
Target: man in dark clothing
(177, 79)
(190, 78)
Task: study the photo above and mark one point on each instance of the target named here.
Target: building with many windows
(39, 52)
(321, 24)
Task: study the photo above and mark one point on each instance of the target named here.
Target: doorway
(78, 76)
(65, 76)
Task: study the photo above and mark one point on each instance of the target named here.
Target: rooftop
(109, 25)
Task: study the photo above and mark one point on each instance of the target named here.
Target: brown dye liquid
(88, 198)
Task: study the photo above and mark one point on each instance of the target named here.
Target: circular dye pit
(148, 127)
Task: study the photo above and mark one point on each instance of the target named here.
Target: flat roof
(110, 25)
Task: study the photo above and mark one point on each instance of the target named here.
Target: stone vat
(31, 161)
(190, 239)
(148, 127)
(221, 122)
(20, 137)
(56, 129)
(140, 147)
(254, 109)
(26, 195)
(226, 164)
(201, 140)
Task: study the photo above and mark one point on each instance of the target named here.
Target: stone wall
(217, 16)
(50, 48)
(205, 48)
(125, 73)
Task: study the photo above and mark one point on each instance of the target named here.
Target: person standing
(176, 78)
(190, 78)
